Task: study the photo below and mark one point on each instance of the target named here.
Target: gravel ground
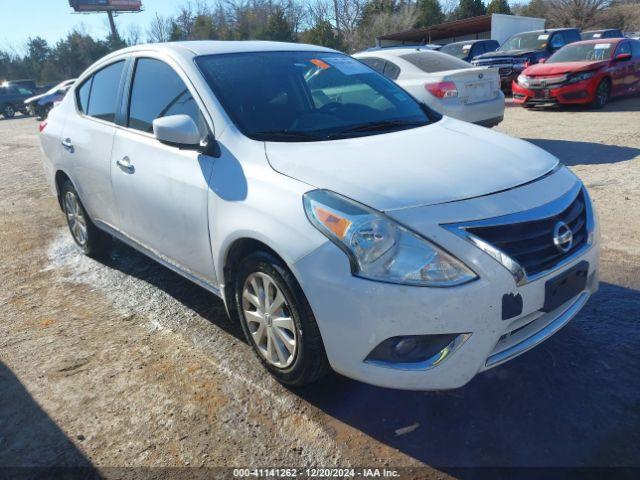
(125, 364)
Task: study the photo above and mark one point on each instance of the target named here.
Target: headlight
(579, 77)
(523, 80)
(378, 247)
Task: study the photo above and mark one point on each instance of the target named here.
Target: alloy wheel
(269, 321)
(75, 218)
(9, 111)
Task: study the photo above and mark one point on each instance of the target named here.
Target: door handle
(125, 165)
(66, 143)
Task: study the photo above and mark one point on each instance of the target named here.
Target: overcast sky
(53, 19)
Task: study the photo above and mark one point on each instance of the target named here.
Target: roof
(602, 30)
(444, 30)
(599, 40)
(211, 47)
(397, 52)
(471, 42)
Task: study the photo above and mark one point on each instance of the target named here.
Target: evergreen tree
(278, 27)
(203, 28)
(499, 6)
(429, 13)
(323, 33)
(470, 8)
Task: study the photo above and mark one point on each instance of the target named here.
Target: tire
(308, 361)
(92, 241)
(603, 92)
(8, 111)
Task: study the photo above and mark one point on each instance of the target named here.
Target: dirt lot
(124, 363)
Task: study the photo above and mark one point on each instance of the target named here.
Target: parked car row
(23, 96)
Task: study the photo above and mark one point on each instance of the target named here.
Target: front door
(162, 191)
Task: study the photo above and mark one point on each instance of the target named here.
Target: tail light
(42, 126)
(442, 89)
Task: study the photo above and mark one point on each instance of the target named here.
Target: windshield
(589, 52)
(458, 50)
(307, 96)
(526, 41)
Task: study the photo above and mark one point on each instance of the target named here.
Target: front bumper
(355, 315)
(575, 93)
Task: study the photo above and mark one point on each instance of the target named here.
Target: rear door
(162, 191)
(87, 137)
(635, 52)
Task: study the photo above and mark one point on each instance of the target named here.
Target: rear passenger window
(103, 93)
(391, 70)
(83, 95)
(376, 63)
(635, 48)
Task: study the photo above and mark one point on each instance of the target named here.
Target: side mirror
(622, 57)
(542, 60)
(178, 131)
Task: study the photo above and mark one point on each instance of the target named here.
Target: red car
(588, 72)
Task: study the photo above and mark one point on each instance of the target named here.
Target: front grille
(531, 244)
(498, 61)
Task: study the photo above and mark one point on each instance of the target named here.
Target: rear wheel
(603, 91)
(278, 322)
(92, 241)
(8, 111)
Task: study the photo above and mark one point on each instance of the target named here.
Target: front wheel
(92, 241)
(8, 111)
(603, 92)
(278, 322)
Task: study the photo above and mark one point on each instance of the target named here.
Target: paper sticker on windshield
(347, 65)
(597, 35)
(599, 46)
(466, 47)
(543, 36)
(319, 63)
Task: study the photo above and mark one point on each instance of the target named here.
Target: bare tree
(575, 13)
(365, 35)
(159, 30)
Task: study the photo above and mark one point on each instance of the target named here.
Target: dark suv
(468, 50)
(607, 33)
(12, 99)
(524, 49)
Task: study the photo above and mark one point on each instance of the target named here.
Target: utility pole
(112, 23)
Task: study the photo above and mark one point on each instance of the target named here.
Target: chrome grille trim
(542, 212)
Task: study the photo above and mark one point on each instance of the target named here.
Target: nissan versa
(344, 224)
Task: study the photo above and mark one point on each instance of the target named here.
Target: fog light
(405, 346)
(411, 348)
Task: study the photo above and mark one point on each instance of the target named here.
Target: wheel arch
(60, 178)
(235, 251)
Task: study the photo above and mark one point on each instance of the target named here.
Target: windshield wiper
(285, 135)
(385, 125)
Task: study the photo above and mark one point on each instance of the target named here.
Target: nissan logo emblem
(562, 237)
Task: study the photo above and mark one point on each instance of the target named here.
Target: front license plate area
(565, 286)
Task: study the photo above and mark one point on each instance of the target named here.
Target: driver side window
(557, 41)
(157, 91)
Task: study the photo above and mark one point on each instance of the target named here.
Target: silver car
(447, 84)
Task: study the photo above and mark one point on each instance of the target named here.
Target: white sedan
(343, 224)
(447, 84)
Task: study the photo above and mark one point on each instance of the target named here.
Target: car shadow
(618, 104)
(572, 401)
(31, 444)
(585, 153)
(206, 304)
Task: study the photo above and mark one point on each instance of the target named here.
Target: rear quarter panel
(50, 144)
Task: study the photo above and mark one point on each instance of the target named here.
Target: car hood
(562, 67)
(506, 53)
(443, 162)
